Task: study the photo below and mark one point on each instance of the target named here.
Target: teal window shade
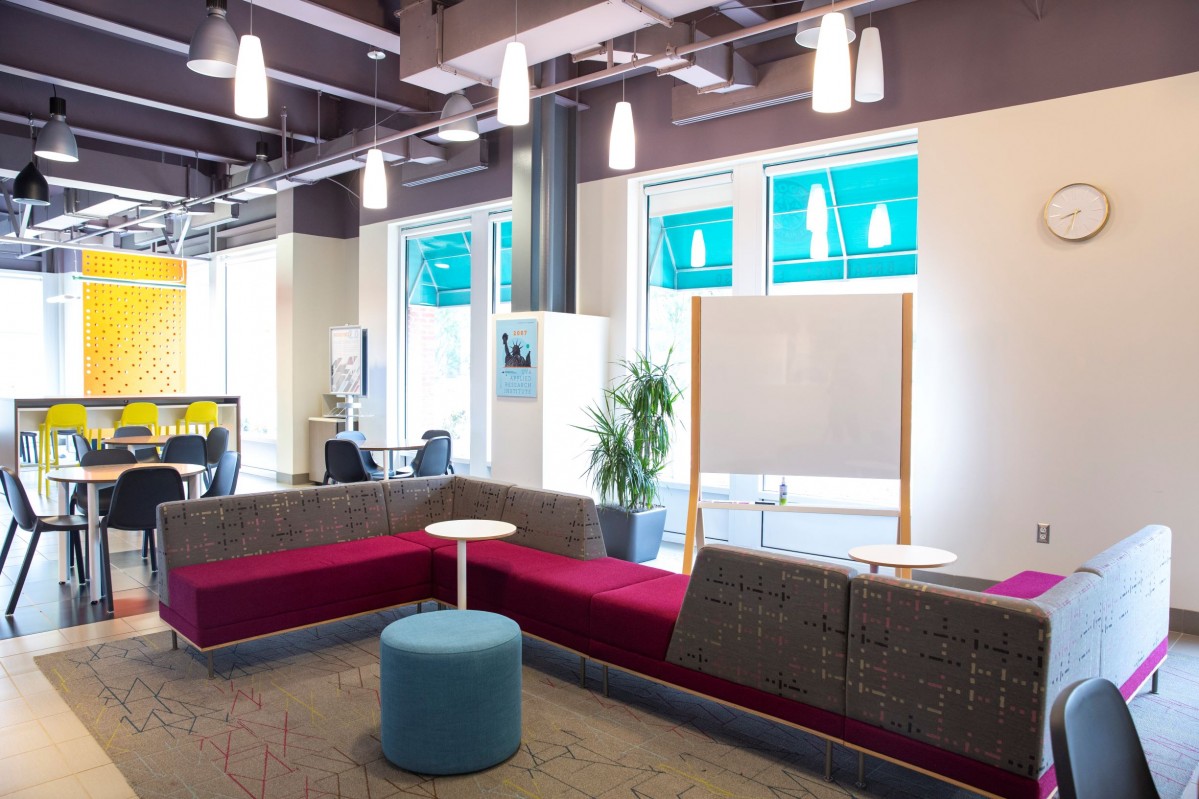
(672, 240)
(852, 192)
(503, 277)
(439, 269)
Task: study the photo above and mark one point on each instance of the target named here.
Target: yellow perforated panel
(133, 336)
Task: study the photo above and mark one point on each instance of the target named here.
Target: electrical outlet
(1042, 532)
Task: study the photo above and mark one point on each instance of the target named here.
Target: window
(250, 332)
(437, 334)
(501, 266)
(23, 370)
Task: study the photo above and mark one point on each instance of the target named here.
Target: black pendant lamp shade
(261, 168)
(55, 140)
(30, 187)
(213, 50)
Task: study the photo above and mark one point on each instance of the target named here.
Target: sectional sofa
(954, 683)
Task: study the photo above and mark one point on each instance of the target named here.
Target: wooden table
(902, 557)
(463, 530)
(136, 441)
(94, 477)
(391, 449)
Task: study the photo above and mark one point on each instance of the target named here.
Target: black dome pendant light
(30, 187)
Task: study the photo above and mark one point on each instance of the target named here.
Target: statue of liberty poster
(516, 358)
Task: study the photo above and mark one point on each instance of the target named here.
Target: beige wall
(316, 288)
(1053, 381)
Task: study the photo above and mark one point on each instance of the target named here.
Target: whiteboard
(801, 385)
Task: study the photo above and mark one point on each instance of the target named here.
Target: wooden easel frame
(694, 535)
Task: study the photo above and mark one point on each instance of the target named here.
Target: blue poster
(516, 358)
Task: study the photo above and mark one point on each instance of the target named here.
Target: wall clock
(1076, 212)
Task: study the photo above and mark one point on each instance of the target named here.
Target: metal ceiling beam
(169, 45)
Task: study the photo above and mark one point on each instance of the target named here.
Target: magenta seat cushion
(424, 539)
(560, 593)
(639, 617)
(225, 592)
(1025, 585)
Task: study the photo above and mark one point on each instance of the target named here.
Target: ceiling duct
(783, 81)
(464, 159)
(718, 69)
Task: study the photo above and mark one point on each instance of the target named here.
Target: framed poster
(347, 360)
(516, 357)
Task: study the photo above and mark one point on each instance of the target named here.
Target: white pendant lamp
(807, 33)
(514, 86)
(879, 234)
(622, 143)
(699, 250)
(831, 79)
(868, 86)
(249, 84)
(55, 140)
(464, 129)
(819, 251)
(817, 210)
(374, 177)
(213, 49)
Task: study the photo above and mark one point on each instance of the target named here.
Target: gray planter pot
(632, 536)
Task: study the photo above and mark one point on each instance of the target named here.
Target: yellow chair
(140, 413)
(59, 418)
(198, 413)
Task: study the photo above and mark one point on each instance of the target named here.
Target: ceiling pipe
(671, 54)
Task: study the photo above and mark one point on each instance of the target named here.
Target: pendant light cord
(251, 17)
(515, 19)
(376, 103)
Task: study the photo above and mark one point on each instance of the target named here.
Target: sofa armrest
(966, 672)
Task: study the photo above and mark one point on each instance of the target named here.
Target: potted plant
(633, 426)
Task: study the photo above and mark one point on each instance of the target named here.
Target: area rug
(297, 716)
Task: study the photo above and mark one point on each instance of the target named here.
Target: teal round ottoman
(450, 691)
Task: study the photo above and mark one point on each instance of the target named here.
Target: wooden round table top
(110, 472)
(136, 441)
(471, 529)
(902, 556)
(399, 446)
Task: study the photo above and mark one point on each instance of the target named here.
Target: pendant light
(261, 168)
(249, 84)
(514, 80)
(622, 140)
(55, 140)
(374, 177)
(817, 210)
(879, 234)
(213, 49)
(30, 187)
(464, 129)
(831, 78)
(699, 251)
(868, 86)
(807, 33)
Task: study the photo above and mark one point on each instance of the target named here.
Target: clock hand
(1073, 219)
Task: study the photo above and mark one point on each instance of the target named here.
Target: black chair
(343, 462)
(24, 517)
(434, 459)
(191, 449)
(368, 460)
(29, 449)
(224, 483)
(416, 467)
(134, 506)
(145, 454)
(217, 444)
(99, 457)
(1096, 750)
(82, 445)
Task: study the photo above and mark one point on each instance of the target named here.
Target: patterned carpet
(297, 716)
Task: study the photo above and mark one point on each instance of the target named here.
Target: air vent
(779, 82)
(463, 159)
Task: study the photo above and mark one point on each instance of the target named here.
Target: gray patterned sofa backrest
(206, 530)
(969, 673)
(771, 622)
(417, 502)
(1136, 599)
(564, 524)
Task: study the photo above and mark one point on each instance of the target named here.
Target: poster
(347, 358)
(516, 357)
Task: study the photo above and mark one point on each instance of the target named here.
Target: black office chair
(343, 462)
(368, 460)
(420, 456)
(191, 449)
(99, 457)
(145, 454)
(1096, 750)
(24, 517)
(224, 483)
(434, 459)
(82, 445)
(134, 506)
(217, 444)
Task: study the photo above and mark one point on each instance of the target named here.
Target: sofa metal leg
(605, 679)
(420, 606)
(174, 640)
(582, 671)
(828, 761)
(861, 783)
(211, 673)
(1153, 684)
